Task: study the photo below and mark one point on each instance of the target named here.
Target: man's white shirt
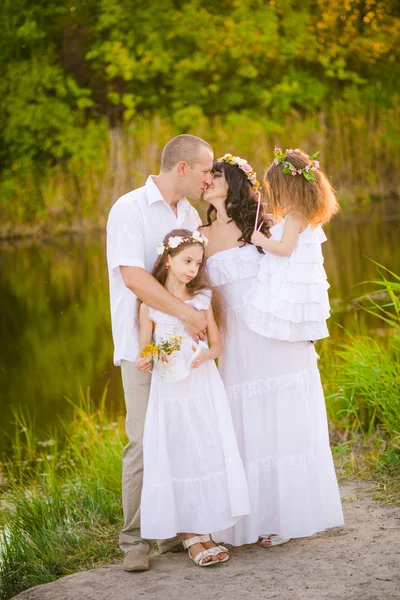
(137, 223)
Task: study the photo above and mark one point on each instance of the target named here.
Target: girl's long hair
(198, 283)
(241, 203)
(315, 200)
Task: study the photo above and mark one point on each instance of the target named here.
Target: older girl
(193, 475)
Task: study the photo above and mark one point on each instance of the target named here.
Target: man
(137, 223)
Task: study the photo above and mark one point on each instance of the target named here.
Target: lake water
(55, 322)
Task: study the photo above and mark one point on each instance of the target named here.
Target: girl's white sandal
(219, 550)
(199, 558)
(274, 539)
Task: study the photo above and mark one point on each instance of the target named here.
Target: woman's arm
(146, 336)
(214, 339)
(294, 225)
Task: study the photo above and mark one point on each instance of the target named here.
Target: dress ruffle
(270, 384)
(288, 300)
(278, 329)
(222, 269)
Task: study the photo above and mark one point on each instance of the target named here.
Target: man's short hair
(183, 147)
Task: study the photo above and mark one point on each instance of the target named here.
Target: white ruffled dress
(289, 300)
(194, 479)
(278, 409)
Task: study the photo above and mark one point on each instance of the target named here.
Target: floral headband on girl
(177, 240)
(243, 165)
(308, 172)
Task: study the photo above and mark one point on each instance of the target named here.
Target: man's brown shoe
(136, 560)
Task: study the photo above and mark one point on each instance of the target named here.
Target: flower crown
(177, 240)
(243, 165)
(308, 172)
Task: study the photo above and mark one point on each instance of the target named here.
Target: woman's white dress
(194, 479)
(288, 300)
(278, 410)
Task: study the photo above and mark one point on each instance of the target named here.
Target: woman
(273, 386)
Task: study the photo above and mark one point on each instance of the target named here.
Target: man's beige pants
(136, 391)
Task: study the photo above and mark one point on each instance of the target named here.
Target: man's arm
(152, 293)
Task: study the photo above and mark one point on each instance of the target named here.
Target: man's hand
(196, 324)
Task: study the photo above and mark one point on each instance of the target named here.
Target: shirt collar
(154, 194)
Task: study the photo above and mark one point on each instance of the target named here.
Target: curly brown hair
(198, 283)
(315, 200)
(241, 203)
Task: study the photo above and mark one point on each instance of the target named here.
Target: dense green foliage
(72, 70)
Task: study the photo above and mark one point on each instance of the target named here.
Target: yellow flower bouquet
(169, 362)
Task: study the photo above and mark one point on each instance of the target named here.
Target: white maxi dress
(278, 410)
(194, 480)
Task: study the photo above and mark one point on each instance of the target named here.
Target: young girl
(289, 298)
(194, 479)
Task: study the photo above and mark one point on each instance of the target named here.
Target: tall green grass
(362, 385)
(365, 370)
(61, 508)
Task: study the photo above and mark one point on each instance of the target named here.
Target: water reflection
(55, 323)
(353, 243)
(55, 330)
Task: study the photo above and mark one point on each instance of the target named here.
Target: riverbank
(365, 208)
(60, 498)
(49, 229)
(61, 515)
(357, 561)
(108, 162)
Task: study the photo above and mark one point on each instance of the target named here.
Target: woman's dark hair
(241, 203)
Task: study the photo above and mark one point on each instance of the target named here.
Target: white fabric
(289, 298)
(137, 223)
(278, 411)
(194, 479)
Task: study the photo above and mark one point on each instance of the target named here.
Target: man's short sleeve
(125, 237)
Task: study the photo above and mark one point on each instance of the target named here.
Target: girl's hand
(144, 363)
(258, 238)
(200, 358)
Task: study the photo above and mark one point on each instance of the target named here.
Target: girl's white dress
(288, 300)
(278, 411)
(194, 479)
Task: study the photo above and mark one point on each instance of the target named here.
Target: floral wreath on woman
(244, 166)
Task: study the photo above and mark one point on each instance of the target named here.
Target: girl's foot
(222, 556)
(202, 556)
(272, 539)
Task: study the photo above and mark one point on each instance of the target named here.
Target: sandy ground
(360, 561)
